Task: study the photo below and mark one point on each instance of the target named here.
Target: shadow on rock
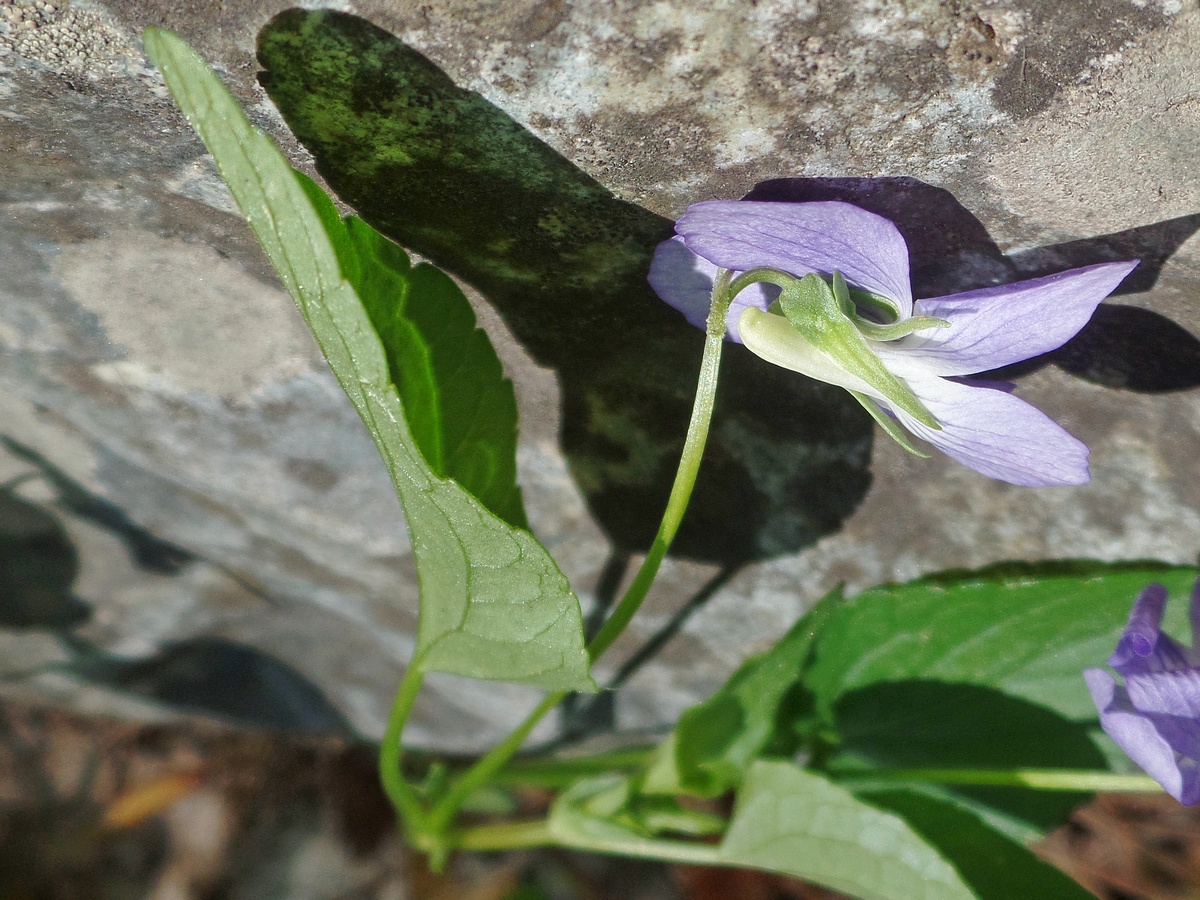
(451, 176)
(217, 677)
(38, 566)
(454, 178)
(148, 551)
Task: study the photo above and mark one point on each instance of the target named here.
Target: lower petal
(997, 434)
(1137, 736)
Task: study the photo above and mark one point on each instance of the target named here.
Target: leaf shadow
(149, 552)
(38, 568)
(216, 677)
(924, 724)
(454, 178)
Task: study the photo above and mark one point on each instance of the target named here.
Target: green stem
(537, 834)
(1038, 779)
(562, 771)
(487, 766)
(777, 277)
(502, 836)
(391, 753)
(681, 491)
(685, 475)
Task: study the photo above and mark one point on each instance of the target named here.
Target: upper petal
(685, 281)
(1001, 325)
(1144, 649)
(801, 238)
(1143, 629)
(994, 433)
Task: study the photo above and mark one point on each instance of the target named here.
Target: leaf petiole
(1036, 779)
(391, 753)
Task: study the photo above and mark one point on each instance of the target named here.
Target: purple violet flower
(1155, 717)
(925, 347)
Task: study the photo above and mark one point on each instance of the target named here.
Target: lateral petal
(996, 434)
(1137, 735)
(1001, 325)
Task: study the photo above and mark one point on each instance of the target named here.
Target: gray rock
(180, 428)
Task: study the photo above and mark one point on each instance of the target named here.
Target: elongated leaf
(793, 821)
(493, 602)
(1028, 632)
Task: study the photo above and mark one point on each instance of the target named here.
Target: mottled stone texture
(203, 521)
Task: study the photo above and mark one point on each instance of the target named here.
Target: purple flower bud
(1155, 716)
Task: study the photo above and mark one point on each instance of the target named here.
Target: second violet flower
(855, 324)
(1155, 715)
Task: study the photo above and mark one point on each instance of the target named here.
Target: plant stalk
(681, 491)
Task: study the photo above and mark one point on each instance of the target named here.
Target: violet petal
(1143, 629)
(1001, 325)
(1138, 737)
(1174, 692)
(997, 434)
(684, 280)
(801, 238)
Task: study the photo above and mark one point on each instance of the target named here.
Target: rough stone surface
(177, 423)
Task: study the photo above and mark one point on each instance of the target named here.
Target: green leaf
(460, 408)
(1027, 631)
(717, 740)
(793, 821)
(787, 820)
(493, 602)
(996, 867)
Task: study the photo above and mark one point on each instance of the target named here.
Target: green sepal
(876, 331)
(841, 293)
(896, 330)
(884, 308)
(812, 309)
(888, 424)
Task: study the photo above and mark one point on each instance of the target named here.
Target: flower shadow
(452, 177)
(455, 179)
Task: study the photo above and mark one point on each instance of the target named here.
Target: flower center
(814, 328)
(874, 316)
